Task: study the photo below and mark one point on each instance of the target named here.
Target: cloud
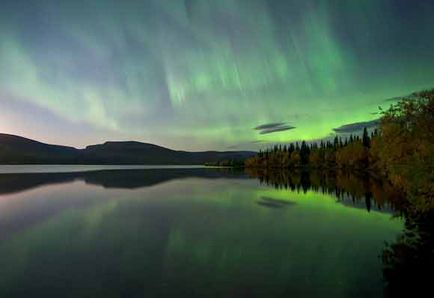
(277, 129)
(393, 99)
(273, 127)
(413, 95)
(356, 127)
(269, 125)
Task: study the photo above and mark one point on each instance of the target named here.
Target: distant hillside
(19, 150)
(15, 150)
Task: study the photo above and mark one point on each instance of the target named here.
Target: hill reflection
(405, 261)
(358, 191)
(124, 179)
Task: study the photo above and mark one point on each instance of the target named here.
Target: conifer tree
(365, 139)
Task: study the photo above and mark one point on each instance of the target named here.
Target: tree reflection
(347, 187)
(408, 262)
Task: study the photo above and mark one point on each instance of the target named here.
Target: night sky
(207, 74)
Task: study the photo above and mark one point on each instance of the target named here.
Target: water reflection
(198, 232)
(352, 189)
(129, 179)
(274, 203)
(409, 259)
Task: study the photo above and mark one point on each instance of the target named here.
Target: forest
(401, 149)
(400, 153)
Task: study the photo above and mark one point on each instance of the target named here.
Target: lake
(192, 232)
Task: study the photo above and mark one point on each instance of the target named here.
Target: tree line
(402, 152)
(351, 151)
(401, 149)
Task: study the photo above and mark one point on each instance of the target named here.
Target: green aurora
(202, 74)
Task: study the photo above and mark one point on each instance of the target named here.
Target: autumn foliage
(402, 149)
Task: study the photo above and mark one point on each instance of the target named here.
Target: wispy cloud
(356, 127)
(393, 99)
(277, 129)
(269, 125)
(273, 127)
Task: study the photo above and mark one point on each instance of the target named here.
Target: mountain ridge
(21, 150)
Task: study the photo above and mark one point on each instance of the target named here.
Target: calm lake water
(189, 232)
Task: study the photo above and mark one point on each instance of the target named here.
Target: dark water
(192, 233)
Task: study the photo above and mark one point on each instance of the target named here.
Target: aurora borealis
(203, 74)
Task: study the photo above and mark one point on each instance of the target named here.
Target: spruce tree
(365, 139)
(304, 153)
(335, 142)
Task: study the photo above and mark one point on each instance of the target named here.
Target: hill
(20, 150)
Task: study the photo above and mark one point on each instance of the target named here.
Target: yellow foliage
(295, 159)
(353, 155)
